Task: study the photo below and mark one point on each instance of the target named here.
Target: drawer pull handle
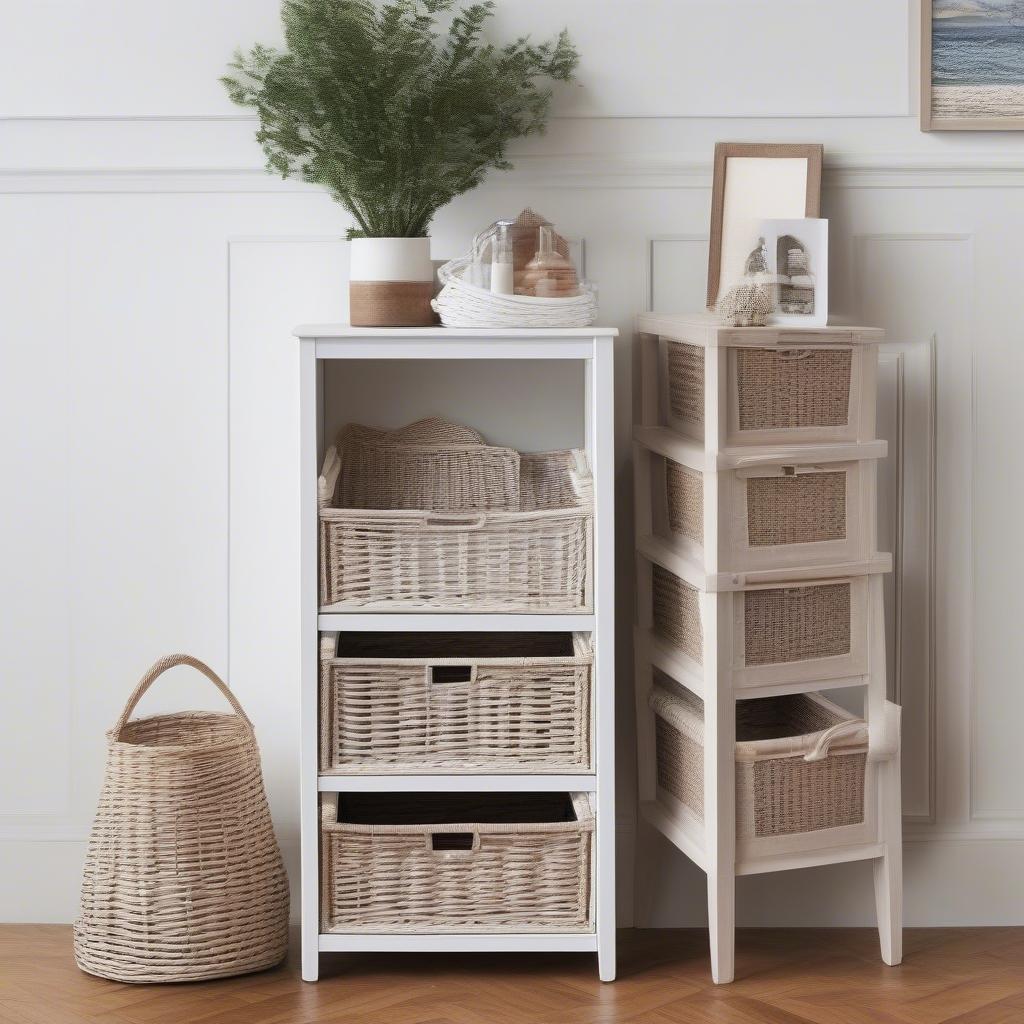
(441, 674)
(453, 842)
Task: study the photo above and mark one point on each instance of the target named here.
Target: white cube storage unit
(758, 585)
(457, 638)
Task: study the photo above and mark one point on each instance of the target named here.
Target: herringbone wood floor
(970, 976)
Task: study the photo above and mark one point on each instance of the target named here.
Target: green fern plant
(392, 113)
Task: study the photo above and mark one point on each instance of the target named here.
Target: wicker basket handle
(792, 355)
(157, 669)
(849, 728)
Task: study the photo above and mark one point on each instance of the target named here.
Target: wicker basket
(183, 876)
(784, 508)
(800, 760)
(459, 862)
(431, 464)
(773, 392)
(534, 559)
(437, 702)
(773, 625)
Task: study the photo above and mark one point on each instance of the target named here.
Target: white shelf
(593, 349)
(464, 783)
(453, 622)
(465, 942)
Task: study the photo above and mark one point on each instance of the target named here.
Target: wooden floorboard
(791, 976)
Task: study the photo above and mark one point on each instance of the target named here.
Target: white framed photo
(798, 265)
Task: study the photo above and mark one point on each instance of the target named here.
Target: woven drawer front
(784, 624)
(792, 388)
(684, 488)
(676, 609)
(791, 795)
(686, 382)
(775, 795)
(450, 701)
(527, 869)
(798, 509)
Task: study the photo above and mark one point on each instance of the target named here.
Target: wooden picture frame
(811, 153)
(931, 123)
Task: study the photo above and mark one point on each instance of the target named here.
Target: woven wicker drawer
(456, 862)
(534, 559)
(773, 394)
(770, 515)
(445, 702)
(779, 791)
(811, 630)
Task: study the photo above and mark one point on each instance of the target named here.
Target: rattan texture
(420, 702)
(804, 508)
(778, 792)
(431, 464)
(676, 609)
(785, 624)
(534, 559)
(183, 877)
(792, 388)
(397, 864)
(686, 383)
(684, 489)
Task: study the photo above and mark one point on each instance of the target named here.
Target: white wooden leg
(889, 868)
(310, 958)
(722, 925)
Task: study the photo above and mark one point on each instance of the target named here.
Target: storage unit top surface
(451, 333)
(708, 330)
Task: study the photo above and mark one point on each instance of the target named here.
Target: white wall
(151, 274)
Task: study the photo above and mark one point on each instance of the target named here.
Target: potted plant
(395, 115)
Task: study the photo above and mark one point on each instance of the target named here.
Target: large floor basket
(461, 862)
(533, 555)
(441, 702)
(183, 877)
(800, 760)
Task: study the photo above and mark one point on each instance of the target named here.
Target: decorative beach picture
(972, 64)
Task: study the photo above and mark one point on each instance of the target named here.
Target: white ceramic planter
(391, 282)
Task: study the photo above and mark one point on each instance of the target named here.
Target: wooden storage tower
(588, 630)
(758, 581)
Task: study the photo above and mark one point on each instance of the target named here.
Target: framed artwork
(797, 258)
(755, 182)
(972, 65)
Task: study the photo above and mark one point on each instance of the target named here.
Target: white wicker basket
(456, 862)
(461, 304)
(800, 760)
(443, 702)
(536, 558)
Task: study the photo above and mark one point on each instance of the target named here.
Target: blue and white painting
(977, 59)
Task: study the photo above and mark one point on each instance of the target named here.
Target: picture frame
(754, 182)
(798, 262)
(966, 106)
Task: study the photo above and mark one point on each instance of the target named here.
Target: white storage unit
(458, 741)
(758, 580)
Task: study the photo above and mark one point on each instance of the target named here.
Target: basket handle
(820, 749)
(453, 520)
(791, 355)
(158, 668)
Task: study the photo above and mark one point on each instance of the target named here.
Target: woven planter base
(391, 304)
